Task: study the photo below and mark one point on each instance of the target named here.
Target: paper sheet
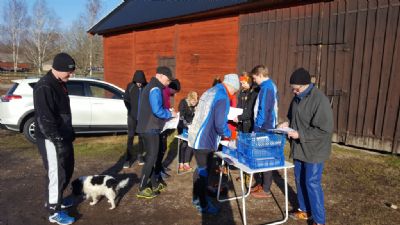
(171, 123)
(283, 130)
(234, 112)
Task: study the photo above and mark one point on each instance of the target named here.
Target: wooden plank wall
(118, 58)
(202, 50)
(352, 50)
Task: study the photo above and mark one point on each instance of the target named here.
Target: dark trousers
(151, 143)
(59, 165)
(200, 175)
(132, 123)
(163, 148)
(265, 179)
(185, 152)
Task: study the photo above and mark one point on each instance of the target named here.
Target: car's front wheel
(29, 130)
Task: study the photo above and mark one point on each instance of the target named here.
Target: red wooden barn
(351, 48)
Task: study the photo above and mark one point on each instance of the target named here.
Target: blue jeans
(309, 189)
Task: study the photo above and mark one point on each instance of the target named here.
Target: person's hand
(236, 120)
(174, 114)
(283, 125)
(293, 134)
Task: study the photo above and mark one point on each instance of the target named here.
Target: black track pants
(59, 164)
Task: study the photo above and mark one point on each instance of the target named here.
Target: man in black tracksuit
(152, 117)
(54, 134)
(132, 103)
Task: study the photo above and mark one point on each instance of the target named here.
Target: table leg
(242, 181)
(219, 183)
(177, 168)
(286, 198)
(244, 194)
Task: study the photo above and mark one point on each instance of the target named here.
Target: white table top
(235, 162)
(181, 137)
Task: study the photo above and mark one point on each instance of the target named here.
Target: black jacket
(52, 109)
(246, 101)
(186, 114)
(133, 92)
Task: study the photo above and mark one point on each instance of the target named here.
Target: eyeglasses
(297, 88)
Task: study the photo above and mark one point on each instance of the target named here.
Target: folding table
(243, 168)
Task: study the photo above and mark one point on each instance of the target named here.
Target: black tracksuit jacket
(52, 109)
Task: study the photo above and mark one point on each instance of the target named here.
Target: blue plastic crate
(230, 151)
(258, 163)
(261, 145)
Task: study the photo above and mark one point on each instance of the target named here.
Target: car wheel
(29, 130)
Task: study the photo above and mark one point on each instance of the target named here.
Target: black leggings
(200, 175)
(185, 152)
(151, 143)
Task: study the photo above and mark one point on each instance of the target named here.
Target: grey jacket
(312, 118)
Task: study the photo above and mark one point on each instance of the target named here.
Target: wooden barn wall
(118, 58)
(206, 50)
(202, 51)
(352, 50)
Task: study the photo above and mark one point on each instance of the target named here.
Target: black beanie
(165, 71)
(175, 84)
(300, 76)
(63, 62)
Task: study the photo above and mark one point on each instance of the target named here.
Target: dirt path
(22, 184)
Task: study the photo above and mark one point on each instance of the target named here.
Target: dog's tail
(122, 184)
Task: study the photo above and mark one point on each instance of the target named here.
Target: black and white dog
(97, 186)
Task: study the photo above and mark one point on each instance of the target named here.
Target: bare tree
(93, 8)
(15, 21)
(87, 50)
(43, 35)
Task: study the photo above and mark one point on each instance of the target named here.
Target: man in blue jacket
(151, 119)
(209, 125)
(265, 118)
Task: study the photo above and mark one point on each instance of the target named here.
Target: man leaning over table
(209, 125)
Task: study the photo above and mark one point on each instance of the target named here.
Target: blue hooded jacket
(210, 122)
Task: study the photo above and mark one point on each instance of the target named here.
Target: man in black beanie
(310, 115)
(54, 135)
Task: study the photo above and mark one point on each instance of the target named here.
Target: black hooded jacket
(246, 101)
(133, 92)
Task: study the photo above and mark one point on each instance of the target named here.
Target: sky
(69, 10)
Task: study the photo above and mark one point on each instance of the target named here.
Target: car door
(108, 108)
(81, 107)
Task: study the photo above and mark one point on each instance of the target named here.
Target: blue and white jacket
(266, 107)
(210, 122)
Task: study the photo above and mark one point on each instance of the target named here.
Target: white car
(96, 107)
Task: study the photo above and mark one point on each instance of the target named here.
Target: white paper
(234, 112)
(283, 130)
(230, 144)
(171, 123)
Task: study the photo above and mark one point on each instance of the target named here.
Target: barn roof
(136, 13)
(142, 14)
